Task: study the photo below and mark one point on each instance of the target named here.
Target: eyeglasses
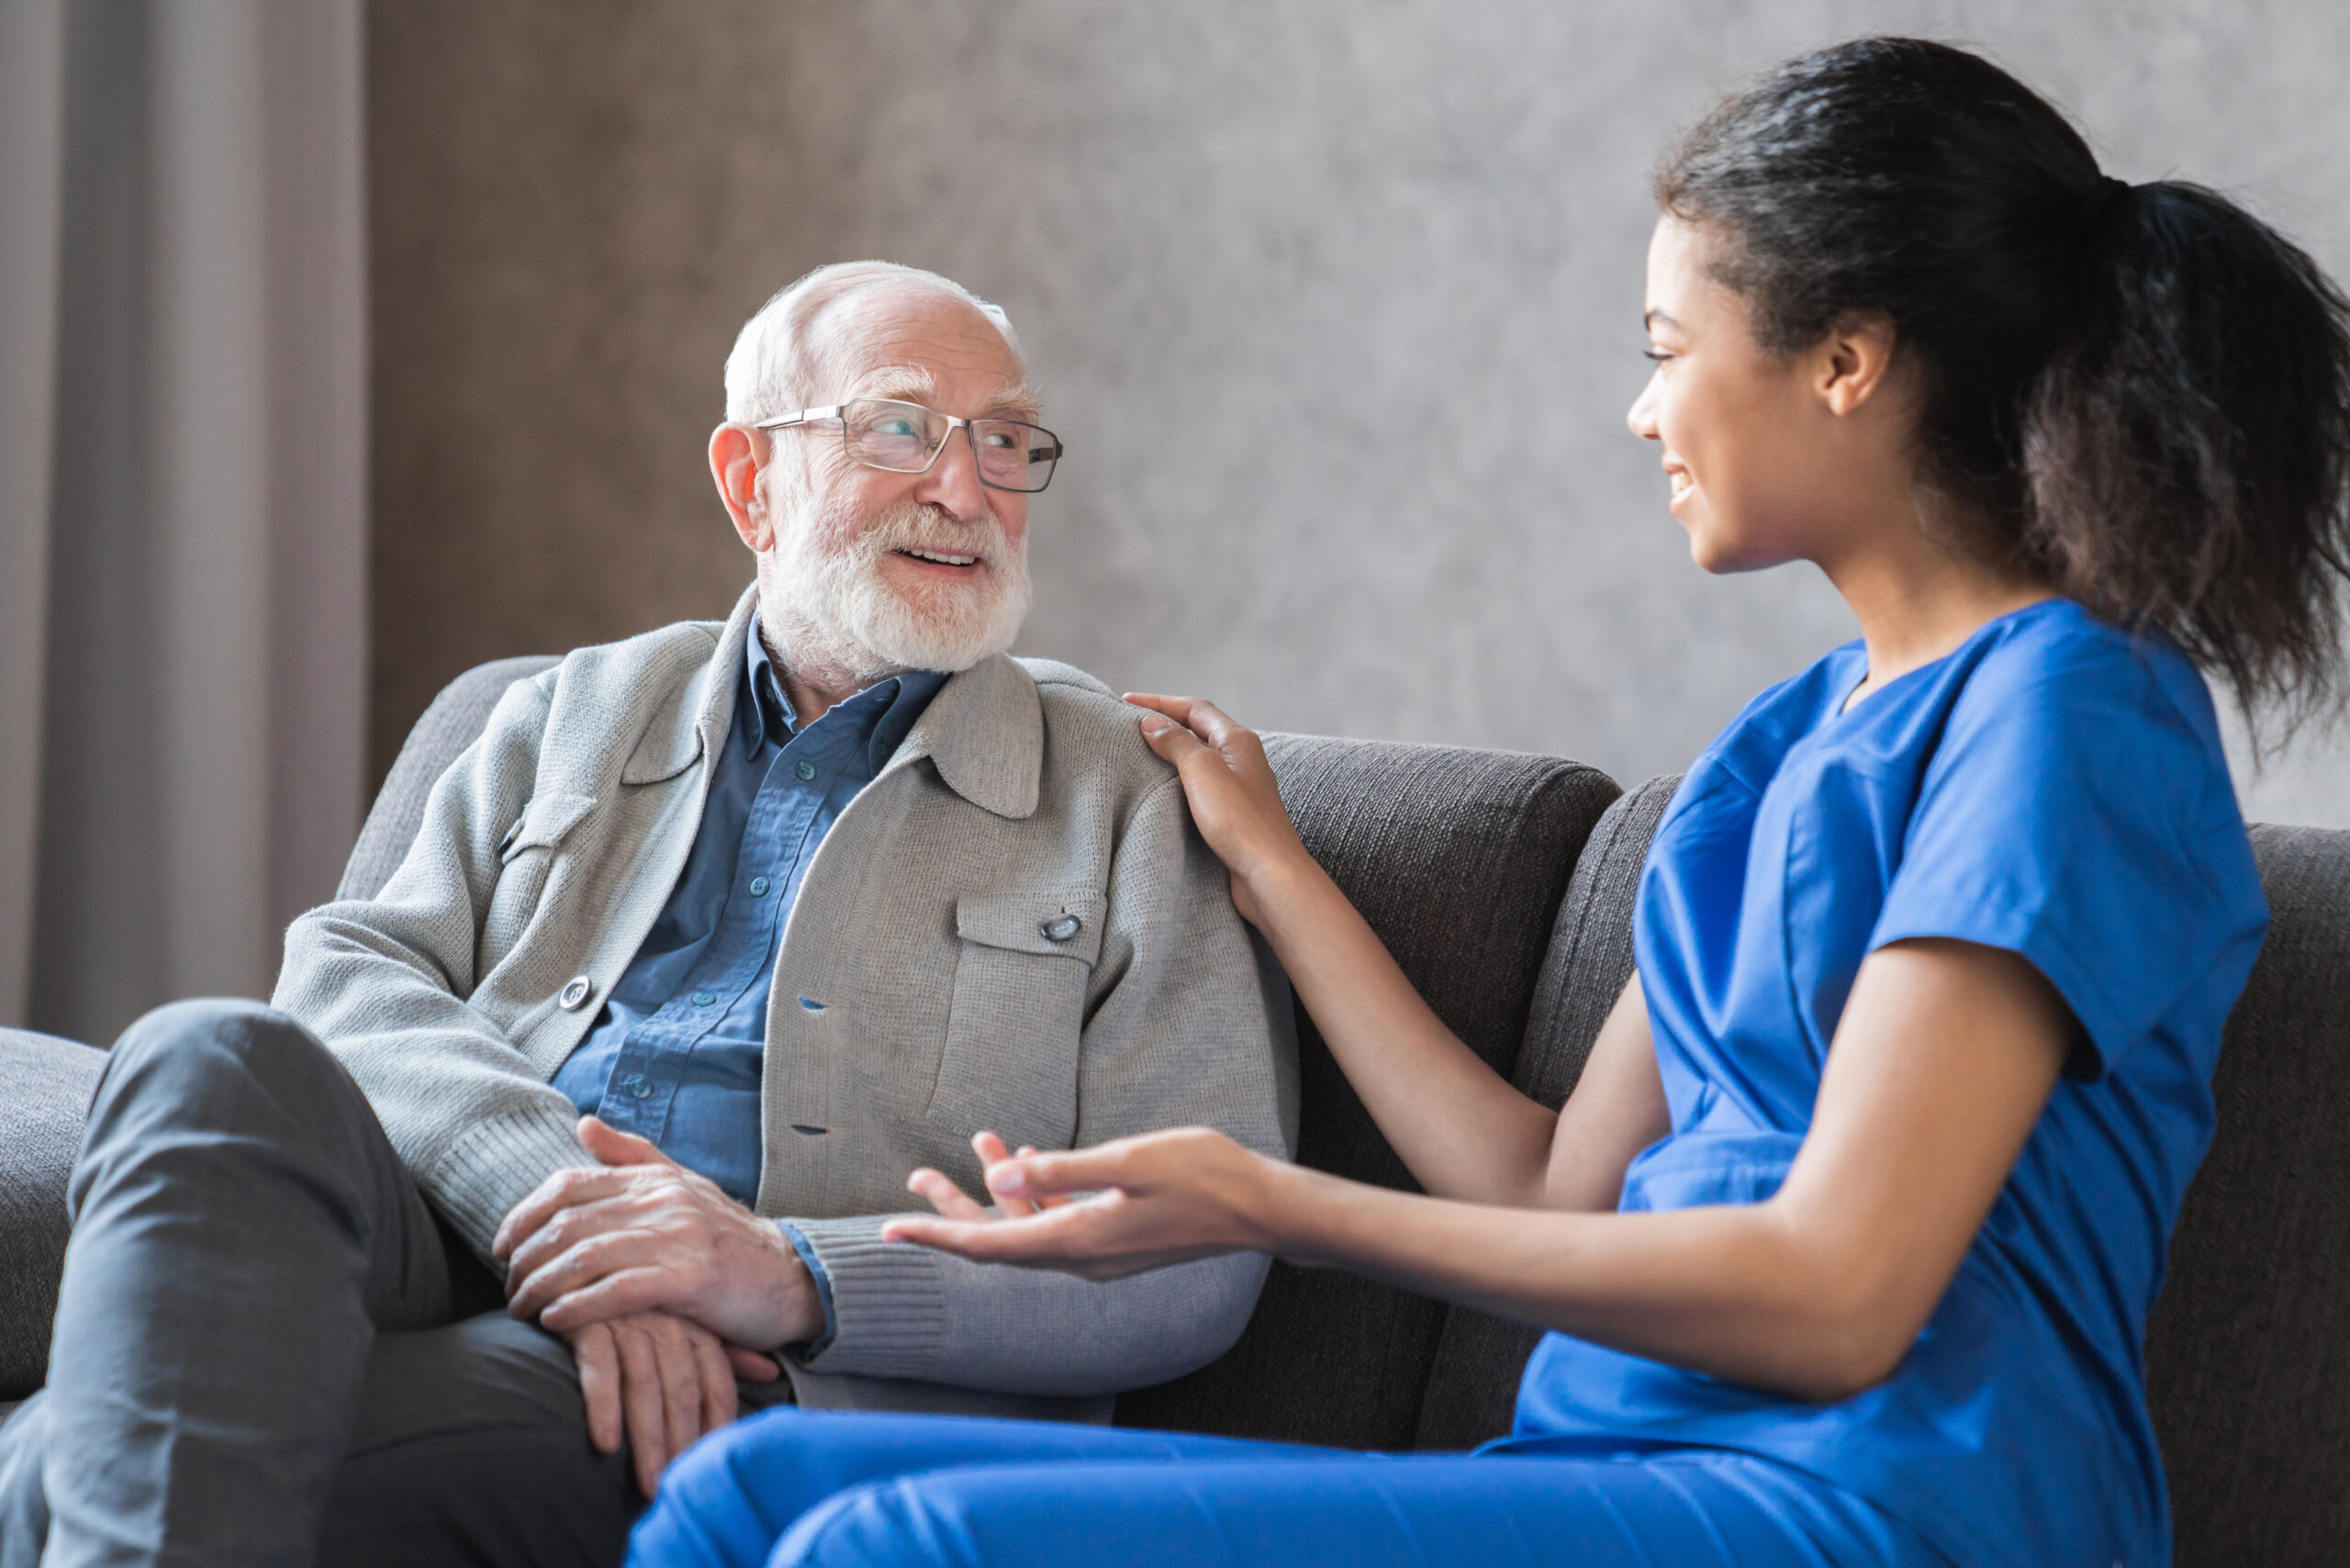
(906, 438)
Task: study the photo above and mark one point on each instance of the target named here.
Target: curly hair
(2138, 393)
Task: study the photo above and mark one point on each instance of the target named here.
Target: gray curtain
(182, 490)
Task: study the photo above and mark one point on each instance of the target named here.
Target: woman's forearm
(1943, 1059)
(1737, 1292)
(1421, 1084)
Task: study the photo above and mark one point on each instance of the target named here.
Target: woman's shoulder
(2069, 727)
(2059, 668)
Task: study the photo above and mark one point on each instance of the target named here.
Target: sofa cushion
(1457, 859)
(45, 1087)
(453, 722)
(1472, 1390)
(2248, 1350)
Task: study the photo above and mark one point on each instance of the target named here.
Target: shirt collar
(763, 713)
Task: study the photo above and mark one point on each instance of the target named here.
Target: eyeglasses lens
(904, 437)
(900, 437)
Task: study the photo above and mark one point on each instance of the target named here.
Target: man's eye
(1002, 440)
(894, 427)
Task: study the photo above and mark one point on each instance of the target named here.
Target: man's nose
(953, 482)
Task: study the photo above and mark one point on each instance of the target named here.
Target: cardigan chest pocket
(525, 856)
(1018, 1012)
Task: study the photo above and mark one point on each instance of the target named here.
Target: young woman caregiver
(1848, 1236)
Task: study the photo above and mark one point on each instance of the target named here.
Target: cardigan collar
(984, 732)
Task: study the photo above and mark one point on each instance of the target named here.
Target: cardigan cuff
(479, 1178)
(888, 1315)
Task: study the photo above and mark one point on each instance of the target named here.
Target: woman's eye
(1655, 356)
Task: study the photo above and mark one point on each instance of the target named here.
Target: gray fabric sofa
(1502, 884)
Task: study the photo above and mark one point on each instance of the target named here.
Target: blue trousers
(801, 1487)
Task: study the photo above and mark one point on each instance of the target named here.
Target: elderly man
(711, 939)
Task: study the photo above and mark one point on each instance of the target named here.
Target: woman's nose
(1640, 418)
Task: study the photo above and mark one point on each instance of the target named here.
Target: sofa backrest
(453, 723)
(2248, 1350)
(1472, 1389)
(1457, 859)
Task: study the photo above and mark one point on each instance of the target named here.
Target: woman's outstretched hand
(1234, 797)
(1102, 1213)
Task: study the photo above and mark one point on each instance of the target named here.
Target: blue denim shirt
(676, 1055)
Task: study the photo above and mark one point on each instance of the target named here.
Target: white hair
(775, 370)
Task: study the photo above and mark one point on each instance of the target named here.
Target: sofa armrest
(45, 1087)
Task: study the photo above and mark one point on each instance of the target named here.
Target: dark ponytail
(2140, 395)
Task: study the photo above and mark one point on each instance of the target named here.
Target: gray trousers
(268, 1353)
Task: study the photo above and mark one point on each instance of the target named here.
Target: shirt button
(806, 770)
(703, 999)
(1060, 928)
(638, 1086)
(758, 886)
(574, 993)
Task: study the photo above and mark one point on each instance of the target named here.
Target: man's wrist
(814, 1323)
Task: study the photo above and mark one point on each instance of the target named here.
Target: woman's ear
(735, 466)
(1856, 361)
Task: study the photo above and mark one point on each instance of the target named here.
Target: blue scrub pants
(801, 1487)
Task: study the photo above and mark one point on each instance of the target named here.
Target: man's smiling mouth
(938, 557)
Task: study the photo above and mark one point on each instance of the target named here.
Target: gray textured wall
(1295, 277)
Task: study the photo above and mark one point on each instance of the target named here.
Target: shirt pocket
(1015, 1023)
(525, 856)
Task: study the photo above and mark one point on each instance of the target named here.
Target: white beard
(826, 607)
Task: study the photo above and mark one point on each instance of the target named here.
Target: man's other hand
(642, 1234)
(659, 1379)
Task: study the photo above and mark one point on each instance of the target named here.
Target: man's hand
(659, 1379)
(643, 1234)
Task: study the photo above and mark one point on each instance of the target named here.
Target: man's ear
(1856, 362)
(734, 465)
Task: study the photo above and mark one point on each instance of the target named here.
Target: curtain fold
(185, 653)
(32, 82)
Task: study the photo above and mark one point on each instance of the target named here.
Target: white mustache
(928, 528)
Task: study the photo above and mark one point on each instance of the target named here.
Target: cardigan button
(1060, 928)
(574, 993)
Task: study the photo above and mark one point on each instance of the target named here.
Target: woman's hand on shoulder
(1115, 1209)
(1235, 800)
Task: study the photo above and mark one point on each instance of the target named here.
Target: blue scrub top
(2053, 787)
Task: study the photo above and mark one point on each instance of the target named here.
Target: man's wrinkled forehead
(921, 346)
